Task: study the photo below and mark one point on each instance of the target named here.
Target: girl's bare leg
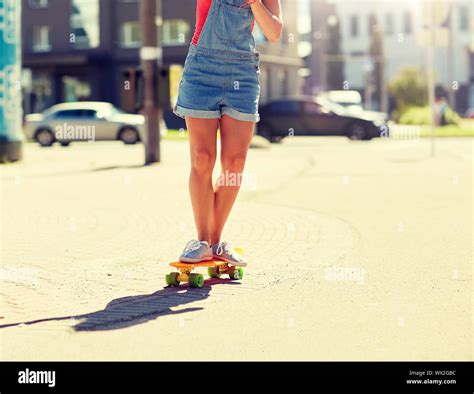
(235, 141)
(203, 150)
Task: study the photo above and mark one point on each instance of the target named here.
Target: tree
(376, 52)
(334, 60)
(409, 88)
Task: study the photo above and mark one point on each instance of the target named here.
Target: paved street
(357, 250)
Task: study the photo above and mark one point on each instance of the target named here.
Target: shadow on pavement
(133, 310)
(119, 167)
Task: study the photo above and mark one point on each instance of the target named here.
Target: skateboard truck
(215, 269)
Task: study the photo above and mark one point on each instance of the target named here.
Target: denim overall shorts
(221, 72)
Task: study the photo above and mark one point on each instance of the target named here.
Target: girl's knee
(234, 162)
(202, 161)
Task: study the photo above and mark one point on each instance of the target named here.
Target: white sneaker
(195, 252)
(225, 251)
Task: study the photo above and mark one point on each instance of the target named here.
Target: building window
(85, 27)
(41, 41)
(407, 23)
(41, 96)
(389, 24)
(175, 32)
(463, 18)
(75, 89)
(354, 24)
(38, 3)
(130, 35)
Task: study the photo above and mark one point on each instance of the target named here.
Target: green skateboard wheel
(196, 280)
(236, 273)
(172, 279)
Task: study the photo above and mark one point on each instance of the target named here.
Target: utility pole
(470, 52)
(382, 63)
(383, 85)
(159, 31)
(451, 59)
(151, 56)
(431, 9)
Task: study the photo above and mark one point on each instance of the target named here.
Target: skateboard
(215, 269)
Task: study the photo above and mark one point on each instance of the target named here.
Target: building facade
(316, 80)
(401, 23)
(280, 62)
(81, 49)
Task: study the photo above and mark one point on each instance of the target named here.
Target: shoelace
(225, 247)
(192, 245)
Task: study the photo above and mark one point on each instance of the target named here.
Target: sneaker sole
(187, 260)
(234, 263)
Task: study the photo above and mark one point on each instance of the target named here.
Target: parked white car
(83, 121)
(351, 100)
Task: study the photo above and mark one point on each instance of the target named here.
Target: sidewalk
(357, 250)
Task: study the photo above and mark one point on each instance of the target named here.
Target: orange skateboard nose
(211, 263)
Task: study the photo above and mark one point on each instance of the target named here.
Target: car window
(76, 113)
(69, 113)
(285, 107)
(88, 113)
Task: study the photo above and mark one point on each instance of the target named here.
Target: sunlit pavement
(357, 250)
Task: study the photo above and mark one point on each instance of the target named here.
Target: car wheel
(264, 131)
(129, 136)
(45, 137)
(276, 139)
(65, 143)
(357, 132)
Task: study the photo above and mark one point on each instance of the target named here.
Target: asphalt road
(357, 250)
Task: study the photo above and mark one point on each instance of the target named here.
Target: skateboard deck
(210, 263)
(215, 269)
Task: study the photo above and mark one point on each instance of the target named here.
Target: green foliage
(422, 116)
(409, 88)
(463, 130)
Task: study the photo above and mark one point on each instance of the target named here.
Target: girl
(220, 90)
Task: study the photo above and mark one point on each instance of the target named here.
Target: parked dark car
(306, 116)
